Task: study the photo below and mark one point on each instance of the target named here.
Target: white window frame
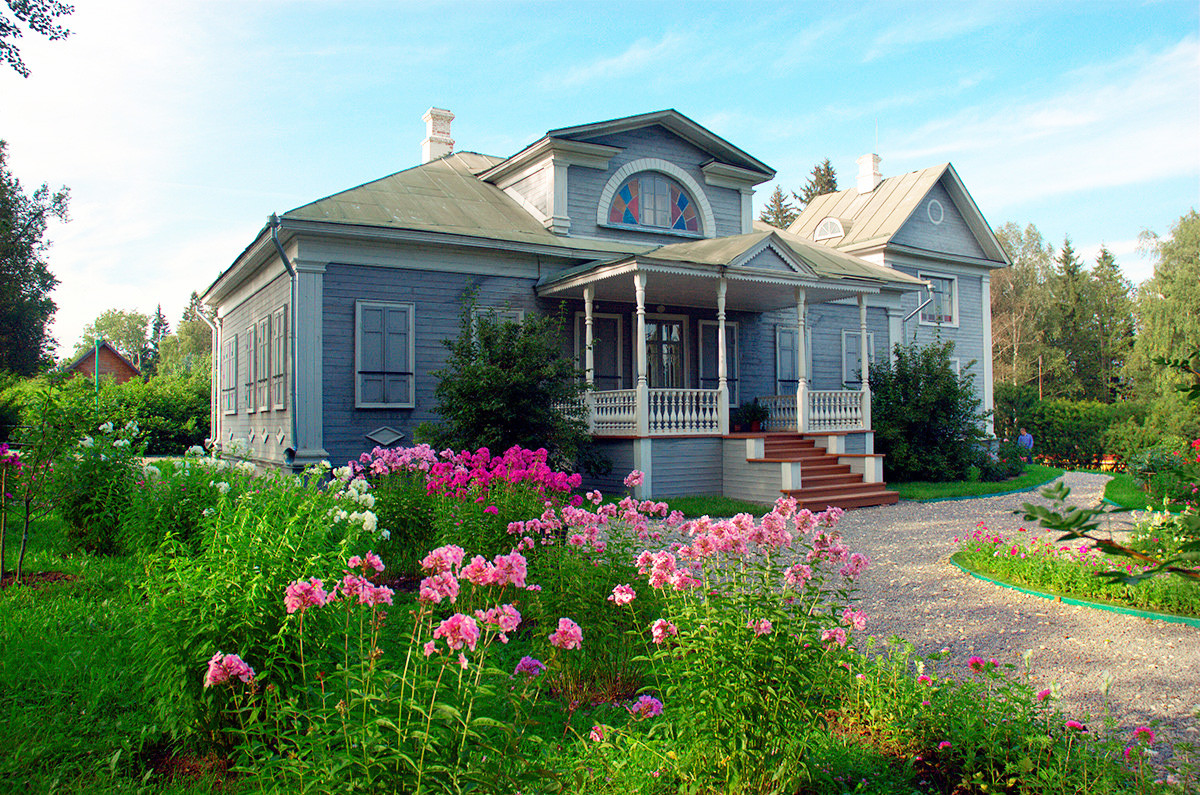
(833, 228)
(251, 368)
(411, 402)
(953, 322)
(847, 374)
(279, 351)
(956, 366)
(229, 376)
(731, 366)
(580, 321)
(515, 315)
(685, 339)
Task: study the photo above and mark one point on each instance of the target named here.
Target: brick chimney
(438, 142)
(868, 173)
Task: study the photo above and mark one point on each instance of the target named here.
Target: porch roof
(689, 270)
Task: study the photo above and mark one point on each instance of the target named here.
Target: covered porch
(670, 396)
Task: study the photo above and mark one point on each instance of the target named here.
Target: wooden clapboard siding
(951, 236)
(686, 466)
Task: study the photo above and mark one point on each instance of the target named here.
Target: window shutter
(785, 360)
(250, 369)
(398, 383)
(279, 358)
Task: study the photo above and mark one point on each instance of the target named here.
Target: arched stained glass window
(650, 199)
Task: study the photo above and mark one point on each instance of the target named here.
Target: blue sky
(180, 126)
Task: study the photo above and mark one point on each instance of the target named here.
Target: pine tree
(1071, 327)
(159, 329)
(1019, 296)
(779, 212)
(823, 180)
(1114, 322)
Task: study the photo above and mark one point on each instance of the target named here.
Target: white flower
(324, 466)
(246, 467)
(384, 535)
(222, 486)
(370, 522)
(121, 443)
(151, 471)
(195, 451)
(340, 516)
(366, 500)
(208, 512)
(130, 426)
(342, 473)
(359, 485)
(86, 442)
(106, 427)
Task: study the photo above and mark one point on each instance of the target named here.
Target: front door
(665, 353)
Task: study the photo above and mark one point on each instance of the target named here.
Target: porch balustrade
(684, 411)
(781, 412)
(828, 410)
(614, 412)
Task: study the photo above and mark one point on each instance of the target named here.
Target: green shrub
(93, 482)
(229, 595)
(926, 417)
(171, 499)
(406, 510)
(1006, 463)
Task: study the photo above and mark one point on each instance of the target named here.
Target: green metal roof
(444, 196)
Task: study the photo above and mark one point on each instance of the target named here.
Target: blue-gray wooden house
(332, 320)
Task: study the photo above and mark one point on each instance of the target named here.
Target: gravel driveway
(913, 591)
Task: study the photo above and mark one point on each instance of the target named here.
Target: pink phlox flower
(761, 627)
(834, 637)
(352, 586)
(1043, 694)
(430, 648)
(855, 619)
(576, 540)
(924, 680)
(504, 617)
(944, 745)
(529, 667)
(458, 630)
(634, 478)
(662, 629)
(446, 558)
(223, 667)
(1145, 734)
(479, 571)
(567, 636)
(492, 509)
(597, 734)
(443, 585)
(622, 595)
(368, 561)
(976, 664)
(301, 595)
(1075, 725)
(510, 569)
(646, 707)
(797, 575)
(376, 595)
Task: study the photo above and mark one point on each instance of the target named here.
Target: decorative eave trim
(954, 259)
(723, 175)
(248, 262)
(786, 254)
(559, 150)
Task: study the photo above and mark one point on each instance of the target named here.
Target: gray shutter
(397, 328)
(279, 357)
(370, 354)
(785, 360)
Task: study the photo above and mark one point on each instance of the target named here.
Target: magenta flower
(301, 595)
(430, 648)
(504, 617)
(443, 585)
(458, 630)
(223, 667)
(834, 637)
(855, 619)
(375, 595)
(1043, 694)
(924, 680)
(510, 569)
(1145, 734)
(597, 734)
(661, 629)
(646, 707)
(797, 576)
(1075, 725)
(529, 667)
(944, 745)
(761, 627)
(445, 558)
(479, 572)
(567, 636)
(976, 664)
(622, 595)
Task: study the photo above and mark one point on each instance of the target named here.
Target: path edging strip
(986, 496)
(1128, 611)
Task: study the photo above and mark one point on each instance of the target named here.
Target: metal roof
(868, 218)
(445, 196)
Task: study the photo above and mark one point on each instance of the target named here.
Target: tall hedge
(1071, 432)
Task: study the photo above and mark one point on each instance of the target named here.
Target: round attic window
(935, 210)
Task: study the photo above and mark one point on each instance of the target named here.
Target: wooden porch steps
(824, 480)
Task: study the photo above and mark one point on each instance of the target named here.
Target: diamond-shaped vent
(385, 436)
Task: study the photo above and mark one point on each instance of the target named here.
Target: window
(786, 342)
(709, 363)
(607, 362)
(665, 353)
(499, 315)
(651, 199)
(384, 353)
(830, 227)
(262, 362)
(251, 369)
(279, 358)
(942, 308)
(852, 359)
(229, 375)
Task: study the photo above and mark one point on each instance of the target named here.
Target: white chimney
(438, 142)
(868, 173)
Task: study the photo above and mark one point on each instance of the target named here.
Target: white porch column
(722, 368)
(865, 356)
(643, 388)
(801, 363)
(589, 364)
(988, 401)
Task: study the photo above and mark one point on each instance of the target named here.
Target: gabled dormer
(652, 178)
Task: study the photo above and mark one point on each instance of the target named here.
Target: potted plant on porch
(748, 417)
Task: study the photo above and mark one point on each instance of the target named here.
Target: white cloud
(925, 28)
(637, 60)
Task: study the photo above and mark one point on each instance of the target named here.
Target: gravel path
(913, 591)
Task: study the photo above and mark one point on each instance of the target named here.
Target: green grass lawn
(1034, 475)
(1125, 492)
(714, 505)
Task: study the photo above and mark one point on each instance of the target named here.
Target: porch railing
(684, 411)
(828, 410)
(614, 412)
(835, 410)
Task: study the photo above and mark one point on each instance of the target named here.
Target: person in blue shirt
(1025, 442)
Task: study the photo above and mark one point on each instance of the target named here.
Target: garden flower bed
(553, 642)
